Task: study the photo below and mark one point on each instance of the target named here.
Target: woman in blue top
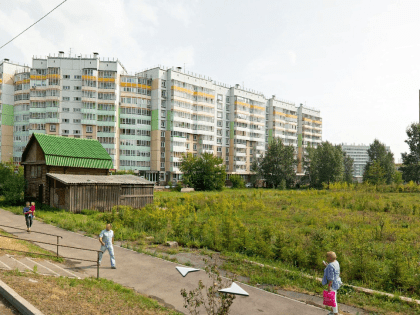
(332, 277)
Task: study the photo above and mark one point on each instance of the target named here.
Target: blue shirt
(107, 237)
(26, 209)
(332, 273)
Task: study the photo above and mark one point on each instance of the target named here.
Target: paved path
(152, 276)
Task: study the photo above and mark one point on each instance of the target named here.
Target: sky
(356, 61)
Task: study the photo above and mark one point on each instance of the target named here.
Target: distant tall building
(148, 120)
(359, 153)
(309, 131)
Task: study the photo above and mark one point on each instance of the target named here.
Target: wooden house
(60, 155)
(77, 192)
(72, 174)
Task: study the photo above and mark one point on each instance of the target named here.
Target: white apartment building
(359, 154)
(148, 120)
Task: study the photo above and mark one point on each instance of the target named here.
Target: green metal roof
(73, 152)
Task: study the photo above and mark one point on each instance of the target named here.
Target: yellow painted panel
(38, 77)
(106, 79)
(89, 77)
(177, 88)
(141, 86)
(204, 94)
(314, 121)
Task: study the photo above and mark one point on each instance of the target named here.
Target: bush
(237, 181)
(13, 184)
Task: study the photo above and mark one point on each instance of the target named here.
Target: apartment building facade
(146, 121)
(359, 154)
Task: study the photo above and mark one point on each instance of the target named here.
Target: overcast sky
(357, 61)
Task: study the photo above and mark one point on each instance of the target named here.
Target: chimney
(95, 55)
(61, 54)
(178, 68)
(236, 86)
(6, 59)
(274, 96)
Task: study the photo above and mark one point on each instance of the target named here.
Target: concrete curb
(23, 306)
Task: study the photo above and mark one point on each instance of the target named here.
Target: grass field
(373, 231)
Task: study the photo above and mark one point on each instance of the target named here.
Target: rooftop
(100, 179)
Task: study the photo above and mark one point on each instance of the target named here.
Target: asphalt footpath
(151, 276)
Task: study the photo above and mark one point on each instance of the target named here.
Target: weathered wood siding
(100, 197)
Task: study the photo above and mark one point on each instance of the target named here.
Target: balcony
(88, 111)
(88, 122)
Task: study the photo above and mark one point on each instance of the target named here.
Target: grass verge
(62, 296)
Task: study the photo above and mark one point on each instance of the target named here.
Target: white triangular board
(183, 270)
(235, 289)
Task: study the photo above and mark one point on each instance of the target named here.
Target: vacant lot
(374, 233)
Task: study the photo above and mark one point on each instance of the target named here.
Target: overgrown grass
(373, 230)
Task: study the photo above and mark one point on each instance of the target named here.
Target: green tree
(13, 183)
(237, 181)
(348, 168)
(204, 172)
(277, 165)
(378, 152)
(375, 174)
(411, 160)
(324, 164)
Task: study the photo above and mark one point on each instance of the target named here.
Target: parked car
(249, 185)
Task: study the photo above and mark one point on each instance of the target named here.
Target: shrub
(237, 181)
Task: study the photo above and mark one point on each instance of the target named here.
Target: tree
(378, 152)
(324, 164)
(348, 168)
(375, 174)
(204, 172)
(13, 183)
(411, 160)
(237, 181)
(277, 165)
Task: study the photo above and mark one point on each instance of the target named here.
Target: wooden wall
(101, 197)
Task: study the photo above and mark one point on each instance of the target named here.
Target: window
(163, 83)
(77, 77)
(219, 97)
(194, 147)
(65, 132)
(89, 137)
(76, 132)
(219, 149)
(89, 129)
(162, 164)
(163, 93)
(227, 99)
(188, 146)
(66, 99)
(195, 137)
(77, 98)
(220, 114)
(77, 121)
(66, 109)
(219, 123)
(77, 87)
(162, 155)
(77, 110)
(163, 114)
(65, 121)
(162, 134)
(66, 87)
(219, 106)
(53, 128)
(162, 124)
(66, 76)
(162, 144)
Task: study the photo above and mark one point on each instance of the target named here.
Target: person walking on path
(332, 277)
(106, 238)
(28, 216)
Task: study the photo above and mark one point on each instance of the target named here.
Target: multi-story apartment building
(148, 120)
(309, 131)
(8, 98)
(359, 154)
